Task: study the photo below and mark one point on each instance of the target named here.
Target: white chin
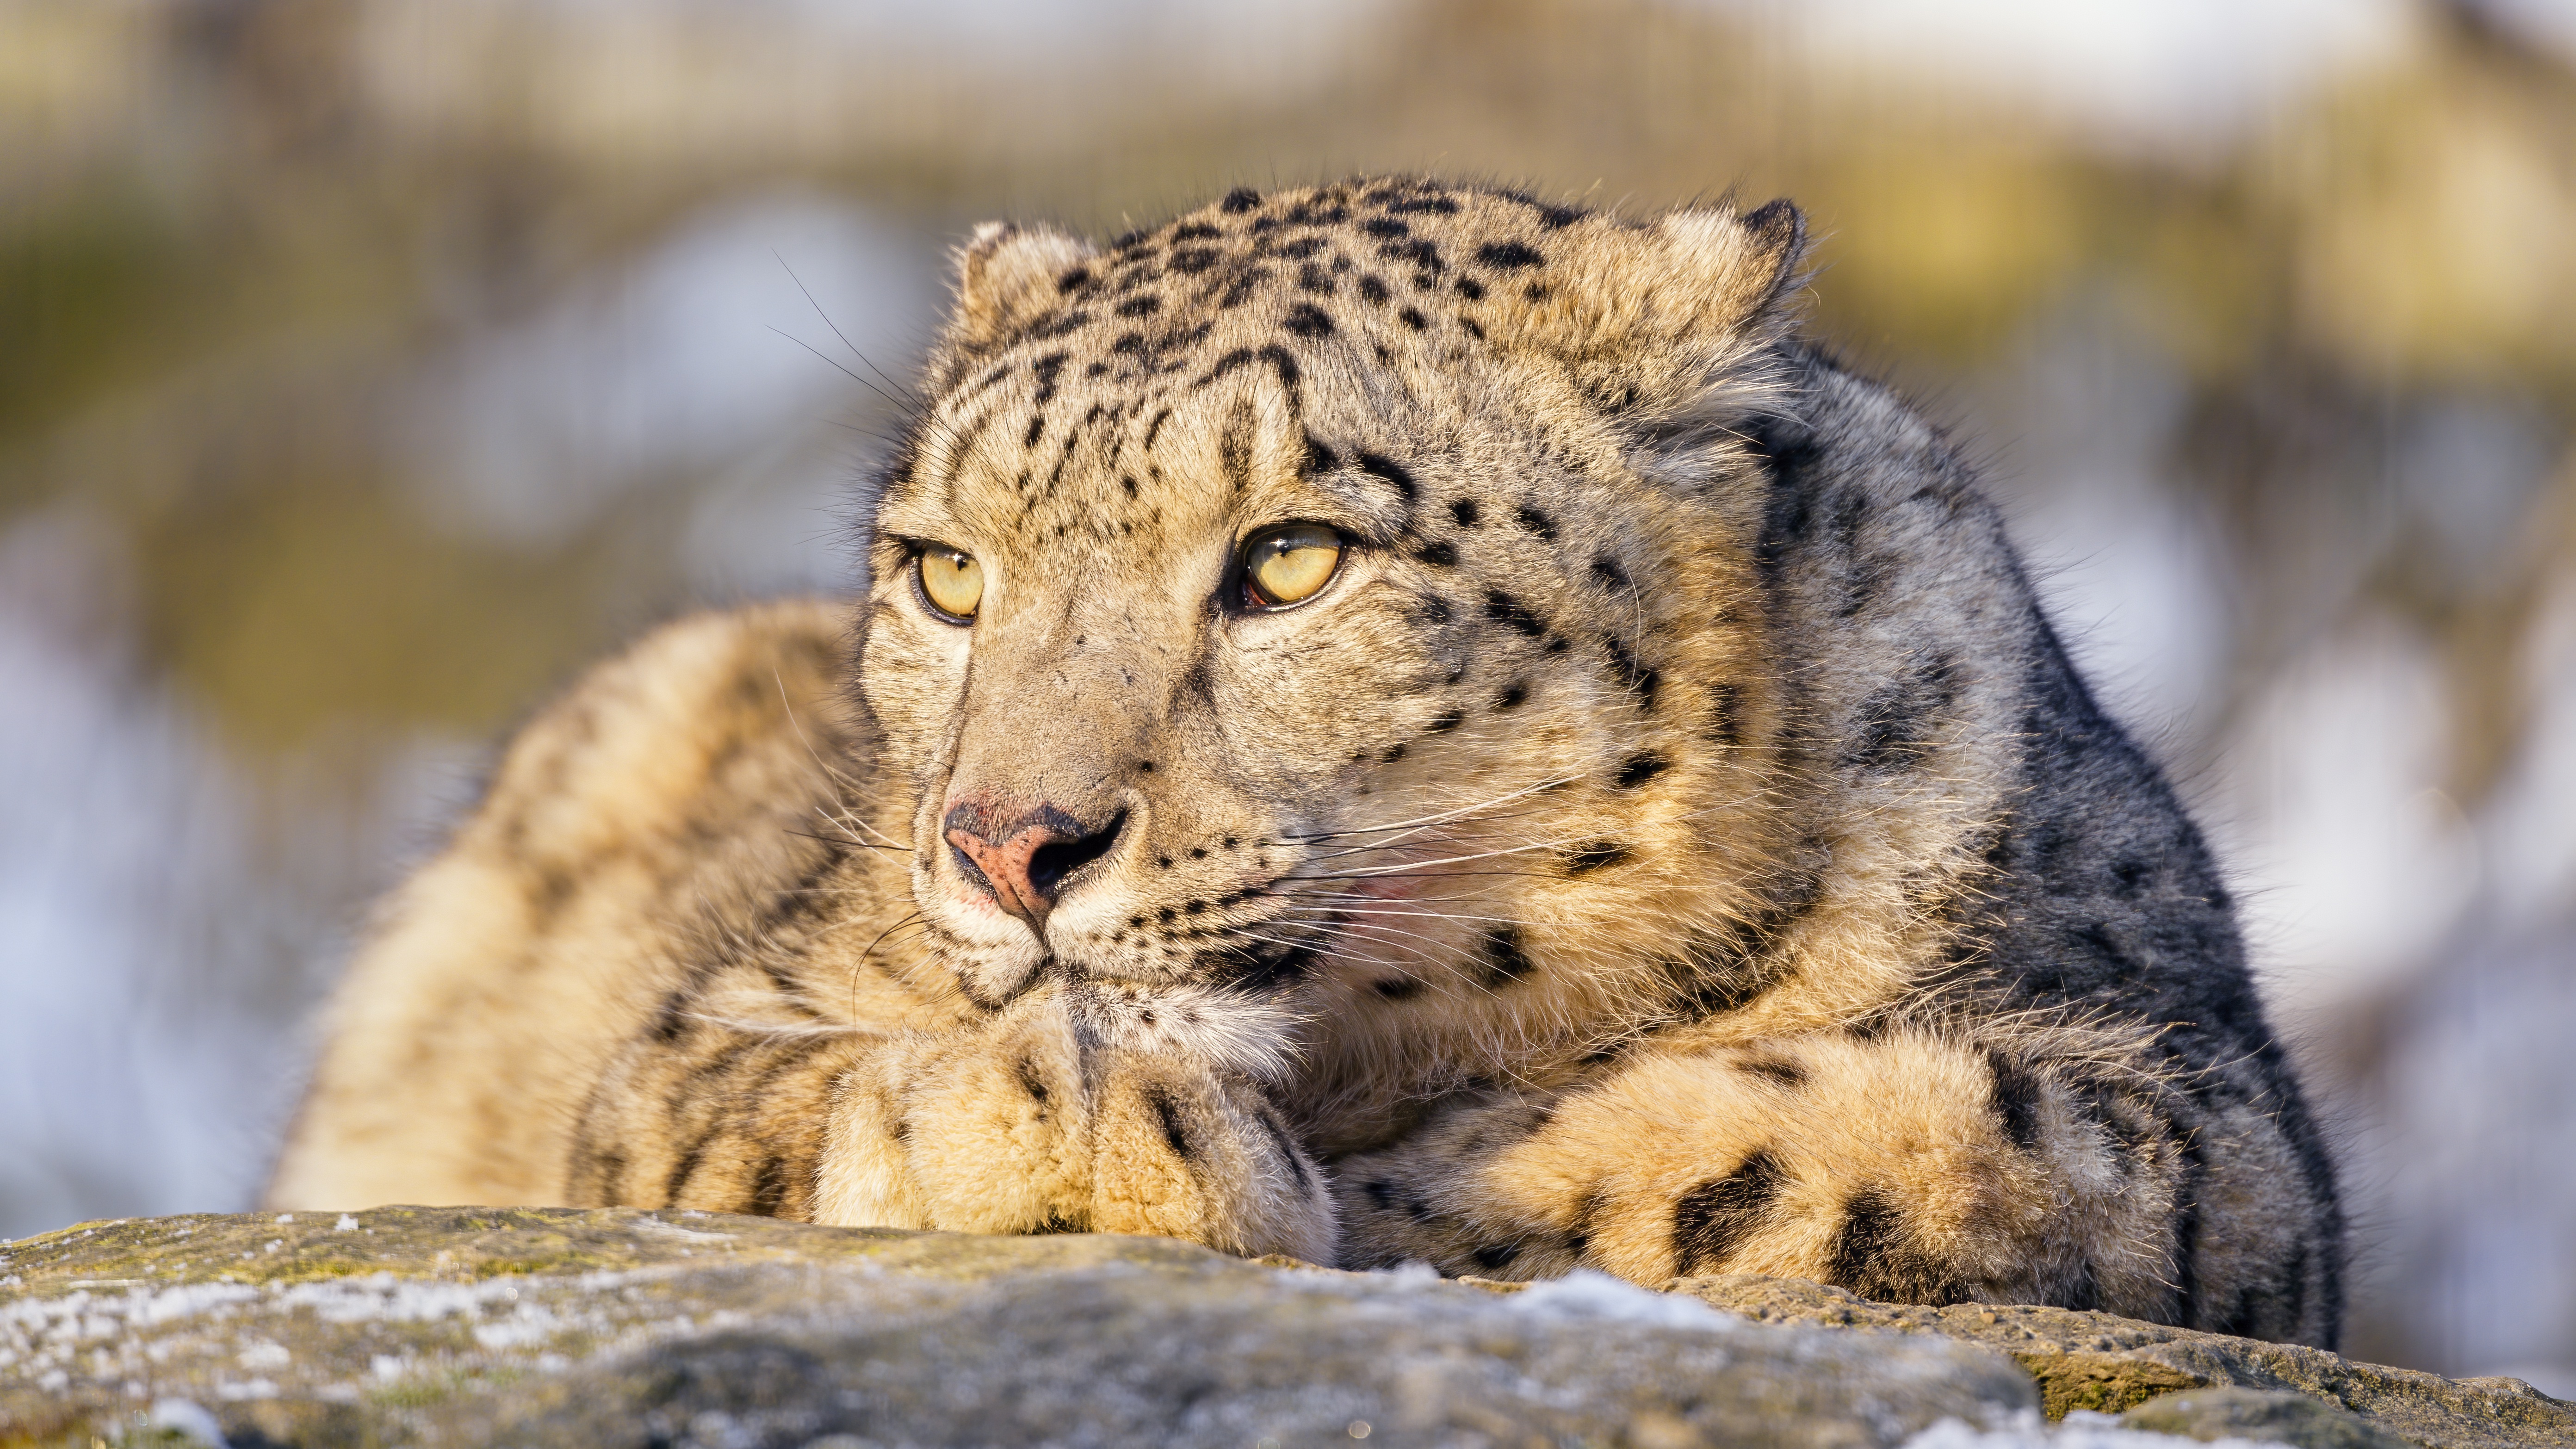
(995, 980)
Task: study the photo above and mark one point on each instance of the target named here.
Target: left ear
(1669, 317)
(1740, 270)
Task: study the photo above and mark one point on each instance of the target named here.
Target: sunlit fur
(1673, 842)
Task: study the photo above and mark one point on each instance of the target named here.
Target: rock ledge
(614, 1328)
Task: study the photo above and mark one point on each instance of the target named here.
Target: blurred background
(366, 365)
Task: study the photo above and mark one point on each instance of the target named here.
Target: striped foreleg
(1904, 1166)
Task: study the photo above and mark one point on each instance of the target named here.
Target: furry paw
(1060, 1115)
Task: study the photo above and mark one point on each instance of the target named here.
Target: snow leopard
(1385, 722)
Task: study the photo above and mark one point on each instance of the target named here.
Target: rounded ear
(1743, 268)
(1008, 276)
(1672, 318)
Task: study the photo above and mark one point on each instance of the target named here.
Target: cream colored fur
(1674, 841)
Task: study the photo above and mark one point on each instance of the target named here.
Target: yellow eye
(1284, 566)
(951, 580)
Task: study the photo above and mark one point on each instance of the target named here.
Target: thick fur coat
(1672, 842)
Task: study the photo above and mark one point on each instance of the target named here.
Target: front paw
(1185, 1152)
(1050, 1120)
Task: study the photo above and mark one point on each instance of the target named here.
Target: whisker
(916, 918)
(914, 397)
(1439, 817)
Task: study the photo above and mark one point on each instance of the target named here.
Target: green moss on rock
(620, 1328)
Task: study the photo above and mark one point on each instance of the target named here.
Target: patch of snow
(345, 1224)
(189, 1420)
(1586, 1294)
(262, 1354)
(674, 1231)
(532, 1324)
(383, 1298)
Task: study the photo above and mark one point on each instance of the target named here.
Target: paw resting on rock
(1050, 1118)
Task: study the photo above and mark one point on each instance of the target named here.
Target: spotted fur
(1673, 843)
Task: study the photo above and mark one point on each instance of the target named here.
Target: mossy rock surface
(614, 1328)
(2107, 1364)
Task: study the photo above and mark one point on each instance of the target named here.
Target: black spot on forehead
(1467, 512)
(1585, 859)
(1195, 231)
(1240, 200)
(1302, 248)
(1389, 472)
(1509, 256)
(1550, 216)
(1194, 260)
(1419, 251)
(1308, 320)
(1140, 305)
(1045, 369)
(1504, 608)
(1037, 429)
(1371, 289)
(1413, 319)
(1059, 326)
(1274, 354)
(1308, 213)
(1385, 226)
(1073, 279)
(1471, 289)
(1638, 768)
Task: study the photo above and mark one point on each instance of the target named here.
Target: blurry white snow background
(161, 940)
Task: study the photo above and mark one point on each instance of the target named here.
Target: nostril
(1055, 860)
(967, 867)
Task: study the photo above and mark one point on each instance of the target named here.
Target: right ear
(1007, 277)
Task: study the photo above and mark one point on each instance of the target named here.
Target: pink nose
(1024, 860)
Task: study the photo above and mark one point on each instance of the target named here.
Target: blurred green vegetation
(219, 288)
(245, 244)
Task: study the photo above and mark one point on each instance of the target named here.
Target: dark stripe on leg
(2016, 1097)
(1168, 1113)
(769, 1186)
(1712, 1219)
(1874, 1256)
